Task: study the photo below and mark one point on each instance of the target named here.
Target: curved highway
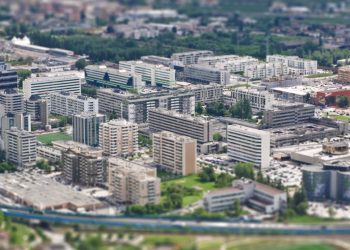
(181, 225)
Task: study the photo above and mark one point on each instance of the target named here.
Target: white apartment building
(20, 147)
(295, 65)
(259, 100)
(175, 153)
(197, 73)
(230, 63)
(265, 70)
(249, 145)
(45, 85)
(191, 57)
(100, 75)
(49, 153)
(68, 104)
(131, 183)
(12, 101)
(151, 74)
(118, 137)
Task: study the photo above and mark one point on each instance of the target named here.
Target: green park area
(47, 139)
(193, 182)
(343, 118)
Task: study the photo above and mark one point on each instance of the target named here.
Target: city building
(197, 128)
(45, 85)
(265, 70)
(68, 104)
(231, 63)
(38, 108)
(86, 128)
(286, 114)
(154, 75)
(135, 107)
(344, 74)
(295, 65)
(8, 77)
(191, 57)
(205, 93)
(175, 153)
(197, 73)
(131, 183)
(259, 100)
(12, 101)
(249, 145)
(329, 181)
(22, 121)
(118, 137)
(106, 77)
(20, 147)
(50, 154)
(85, 166)
(157, 60)
(258, 196)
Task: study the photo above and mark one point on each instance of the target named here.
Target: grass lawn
(342, 118)
(49, 138)
(320, 75)
(191, 181)
(309, 219)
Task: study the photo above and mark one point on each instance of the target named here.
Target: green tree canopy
(244, 170)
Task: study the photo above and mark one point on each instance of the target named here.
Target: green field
(308, 219)
(320, 75)
(191, 181)
(49, 138)
(342, 118)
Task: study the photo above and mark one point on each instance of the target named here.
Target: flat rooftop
(43, 192)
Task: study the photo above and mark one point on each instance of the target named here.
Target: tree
(244, 170)
(22, 75)
(343, 102)
(80, 64)
(237, 208)
(242, 110)
(223, 180)
(207, 175)
(217, 137)
(43, 165)
(199, 108)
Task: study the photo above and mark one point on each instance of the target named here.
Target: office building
(191, 57)
(157, 60)
(68, 104)
(38, 108)
(135, 107)
(8, 77)
(12, 101)
(106, 77)
(20, 147)
(84, 165)
(197, 128)
(197, 73)
(175, 153)
(257, 196)
(286, 114)
(231, 63)
(21, 121)
(344, 74)
(154, 75)
(48, 153)
(249, 145)
(329, 181)
(259, 100)
(295, 65)
(118, 137)
(45, 85)
(86, 128)
(131, 183)
(205, 93)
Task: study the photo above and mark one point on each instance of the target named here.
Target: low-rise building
(191, 57)
(344, 74)
(258, 196)
(295, 65)
(203, 74)
(131, 183)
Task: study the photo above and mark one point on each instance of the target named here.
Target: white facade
(68, 104)
(249, 145)
(45, 85)
(295, 65)
(191, 57)
(265, 70)
(152, 74)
